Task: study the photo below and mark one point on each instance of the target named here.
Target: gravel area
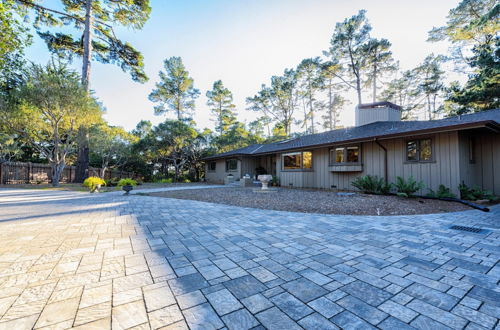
(316, 201)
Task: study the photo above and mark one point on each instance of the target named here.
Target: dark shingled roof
(379, 130)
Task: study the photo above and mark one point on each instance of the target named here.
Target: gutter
(386, 176)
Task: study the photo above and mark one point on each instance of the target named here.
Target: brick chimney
(379, 111)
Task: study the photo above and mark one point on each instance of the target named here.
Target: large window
(419, 150)
(231, 165)
(212, 166)
(343, 155)
(297, 161)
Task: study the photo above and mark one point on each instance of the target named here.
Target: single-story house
(447, 151)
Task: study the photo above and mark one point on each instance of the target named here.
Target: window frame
(227, 167)
(209, 169)
(332, 155)
(301, 169)
(418, 150)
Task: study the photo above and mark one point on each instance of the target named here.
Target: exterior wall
(220, 173)
(443, 170)
(485, 171)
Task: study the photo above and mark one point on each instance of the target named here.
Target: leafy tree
(13, 39)
(94, 38)
(220, 99)
(310, 82)
(49, 107)
(110, 147)
(379, 62)
(9, 147)
(279, 101)
(347, 47)
(405, 92)
(473, 29)
(142, 129)
(175, 91)
(173, 139)
(431, 84)
(331, 116)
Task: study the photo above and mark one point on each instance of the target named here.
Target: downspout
(386, 177)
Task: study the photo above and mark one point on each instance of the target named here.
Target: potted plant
(94, 183)
(127, 185)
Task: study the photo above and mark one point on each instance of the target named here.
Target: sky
(244, 43)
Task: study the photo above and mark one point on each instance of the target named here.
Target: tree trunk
(57, 170)
(82, 163)
(375, 83)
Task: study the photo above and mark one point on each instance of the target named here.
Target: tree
(379, 61)
(278, 101)
(49, 107)
(95, 38)
(473, 30)
(220, 99)
(142, 129)
(175, 91)
(331, 84)
(347, 47)
(310, 81)
(405, 92)
(13, 39)
(9, 147)
(431, 83)
(173, 139)
(110, 147)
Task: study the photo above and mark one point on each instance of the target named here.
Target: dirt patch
(317, 201)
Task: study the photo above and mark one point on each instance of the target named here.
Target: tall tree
(347, 46)
(220, 99)
(93, 21)
(310, 81)
(431, 83)
(331, 84)
(405, 92)
(49, 107)
(175, 91)
(473, 29)
(279, 101)
(379, 62)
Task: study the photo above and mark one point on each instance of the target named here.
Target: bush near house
(372, 185)
(475, 193)
(407, 188)
(442, 192)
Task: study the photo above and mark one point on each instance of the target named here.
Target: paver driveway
(99, 261)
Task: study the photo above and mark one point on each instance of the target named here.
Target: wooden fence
(20, 173)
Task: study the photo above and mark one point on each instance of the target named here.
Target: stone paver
(86, 261)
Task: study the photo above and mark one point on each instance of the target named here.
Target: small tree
(48, 109)
(220, 101)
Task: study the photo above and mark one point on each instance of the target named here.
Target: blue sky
(244, 43)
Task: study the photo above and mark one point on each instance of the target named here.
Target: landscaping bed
(317, 201)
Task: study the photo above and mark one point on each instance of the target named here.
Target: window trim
(331, 159)
(301, 169)
(227, 167)
(215, 167)
(418, 140)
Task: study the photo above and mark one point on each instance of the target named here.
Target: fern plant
(372, 184)
(442, 192)
(475, 193)
(407, 188)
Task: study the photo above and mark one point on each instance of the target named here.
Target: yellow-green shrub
(93, 183)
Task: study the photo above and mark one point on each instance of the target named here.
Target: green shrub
(127, 182)
(186, 181)
(93, 183)
(407, 188)
(372, 185)
(442, 192)
(475, 193)
(275, 181)
(169, 180)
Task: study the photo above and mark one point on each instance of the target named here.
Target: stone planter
(265, 179)
(127, 189)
